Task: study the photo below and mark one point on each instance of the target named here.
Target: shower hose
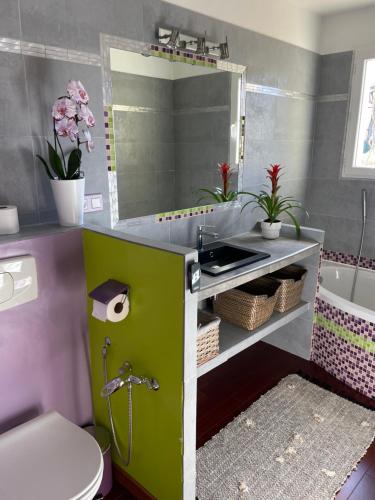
(125, 461)
(364, 216)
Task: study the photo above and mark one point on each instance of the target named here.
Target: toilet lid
(47, 458)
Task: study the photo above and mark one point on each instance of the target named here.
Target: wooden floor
(119, 493)
(231, 388)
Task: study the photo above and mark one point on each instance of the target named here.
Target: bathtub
(336, 284)
(344, 331)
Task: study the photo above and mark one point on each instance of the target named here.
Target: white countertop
(283, 251)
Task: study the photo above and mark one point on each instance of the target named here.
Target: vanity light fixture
(174, 39)
(201, 46)
(223, 48)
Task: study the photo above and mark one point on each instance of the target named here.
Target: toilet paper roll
(9, 219)
(116, 310)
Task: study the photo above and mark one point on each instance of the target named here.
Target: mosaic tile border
(113, 198)
(226, 65)
(344, 345)
(109, 139)
(183, 214)
(178, 55)
(343, 258)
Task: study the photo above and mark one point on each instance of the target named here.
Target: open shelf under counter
(234, 339)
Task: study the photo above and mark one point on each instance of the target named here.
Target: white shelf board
(234, 339)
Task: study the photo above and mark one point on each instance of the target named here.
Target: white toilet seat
(49, 458)
(92, 490)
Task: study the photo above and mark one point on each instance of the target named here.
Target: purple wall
(44, 363)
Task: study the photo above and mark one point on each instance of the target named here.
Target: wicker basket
(291, 279)
(249, 305)
(208, 336)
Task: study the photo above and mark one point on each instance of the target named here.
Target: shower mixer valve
(127, 378)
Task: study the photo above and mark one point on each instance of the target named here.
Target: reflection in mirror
(173, 124)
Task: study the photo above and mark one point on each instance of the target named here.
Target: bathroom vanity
(195, 109)
(283, 252)
(159, 337)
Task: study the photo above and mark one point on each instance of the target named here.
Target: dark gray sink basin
(224, 258)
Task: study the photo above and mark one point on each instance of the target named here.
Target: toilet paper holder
(111, 301)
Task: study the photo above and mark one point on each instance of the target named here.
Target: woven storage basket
(291, 279)
(249, 305)
(208, 336)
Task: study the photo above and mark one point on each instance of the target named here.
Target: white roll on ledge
(9, 223)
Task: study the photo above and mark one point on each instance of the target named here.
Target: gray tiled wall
(278, 128)
(335, 203)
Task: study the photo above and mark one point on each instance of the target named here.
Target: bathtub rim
(345, 304)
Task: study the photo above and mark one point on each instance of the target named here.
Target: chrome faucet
(201, 231)
(126, 377)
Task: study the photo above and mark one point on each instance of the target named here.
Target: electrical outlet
(93, 203)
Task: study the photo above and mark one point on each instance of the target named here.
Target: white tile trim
(264, 89)
(48, 52)
(332, 98)
(293, 94)
(10, 45)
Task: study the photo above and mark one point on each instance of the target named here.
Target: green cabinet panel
(152, 338)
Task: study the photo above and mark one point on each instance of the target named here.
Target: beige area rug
(298, 441)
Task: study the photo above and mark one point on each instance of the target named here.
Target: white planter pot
(69, 198)
(270, 231)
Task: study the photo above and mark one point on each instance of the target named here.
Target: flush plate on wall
(18, 281)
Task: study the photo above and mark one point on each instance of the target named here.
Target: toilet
(49, 458)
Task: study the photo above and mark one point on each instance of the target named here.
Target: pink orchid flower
(86, 115)
(63, 107)
(77, 92)
(67, 127)
(88, 141)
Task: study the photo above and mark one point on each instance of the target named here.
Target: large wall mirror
(170, 123)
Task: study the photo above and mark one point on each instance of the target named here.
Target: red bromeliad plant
(223, 194)
(274, 176)
(272, 204)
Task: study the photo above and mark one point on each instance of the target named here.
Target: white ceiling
(324, 7)
(298, 22)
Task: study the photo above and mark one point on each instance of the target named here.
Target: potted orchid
(72, 118)
(274, 205)
(221, 194)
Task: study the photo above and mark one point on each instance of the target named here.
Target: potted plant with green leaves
(221, 194)
(274, 206)
(72, 118)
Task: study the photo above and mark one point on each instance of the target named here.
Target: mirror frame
(156, 50)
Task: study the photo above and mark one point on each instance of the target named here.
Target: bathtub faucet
(127, 378)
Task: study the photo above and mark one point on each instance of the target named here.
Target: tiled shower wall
(278, 128)
(334, 203)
